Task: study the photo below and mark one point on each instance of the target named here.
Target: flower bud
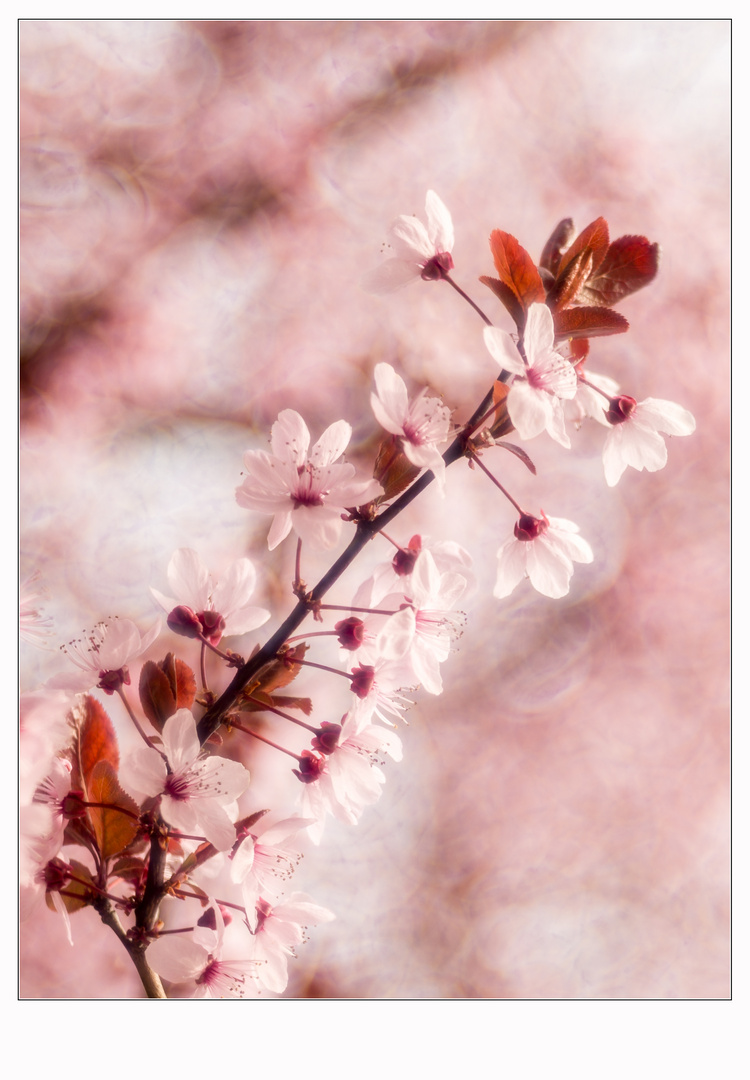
(183, 620)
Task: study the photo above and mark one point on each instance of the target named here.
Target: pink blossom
(198, 958)
(344, 777)
(103, 656)
(263, 861)
(420, 252)
(544, 550)
(422, 425)
(220, 606)
(33, 625)
(544, 379)
(425, 628)
(196, 789)
(41, 834)
(396, 574)
(280, 930)
(634, 438)
(304, 492)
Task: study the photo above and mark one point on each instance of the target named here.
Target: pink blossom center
(307, 491)
(177, 786)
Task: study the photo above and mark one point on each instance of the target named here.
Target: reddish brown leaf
(114, 829)
(95, 741)
(579, 349)
(585, 322)
(508, 299)
(393, 470)
(79, 890)
(594, 238)
(164, 688)
(278, 673)
(516, 269)
(259, 701)
(502, 423)
(157, 698)
(556, 245)
(630, 263)
(566, 288)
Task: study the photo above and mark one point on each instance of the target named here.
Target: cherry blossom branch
(365, 531)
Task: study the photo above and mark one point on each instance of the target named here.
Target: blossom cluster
(173, 838)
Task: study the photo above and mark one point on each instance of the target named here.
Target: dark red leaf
(114, 829)
(556, 245)
(516, 269)
(585, 322)
(95, 741)
(508, 299)
(594, 238)
(630, 263)
(393, 470)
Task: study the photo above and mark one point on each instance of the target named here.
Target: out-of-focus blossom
(420, 252)
(634, 438)
(33, 625)
(543, 380)
(103, 657)
(42, 827)
(304, 492)
(395, 574)
(544, 550)
(44, 731)
(196, 789)
(221, 607)
(422, 425)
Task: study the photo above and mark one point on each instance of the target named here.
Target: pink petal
(439, 223)
(290, 437)
(504, 350)
(539, 333)
(391, 275)
(665, 416)
(410, 239)
(511, 567)
(331, 444)
(549, 569)
(189, 579)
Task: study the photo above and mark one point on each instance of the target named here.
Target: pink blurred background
(199, 202)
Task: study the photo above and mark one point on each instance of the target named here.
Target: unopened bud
(620, 409)
(183, 620)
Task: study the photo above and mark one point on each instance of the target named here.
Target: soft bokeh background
(199, 202)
